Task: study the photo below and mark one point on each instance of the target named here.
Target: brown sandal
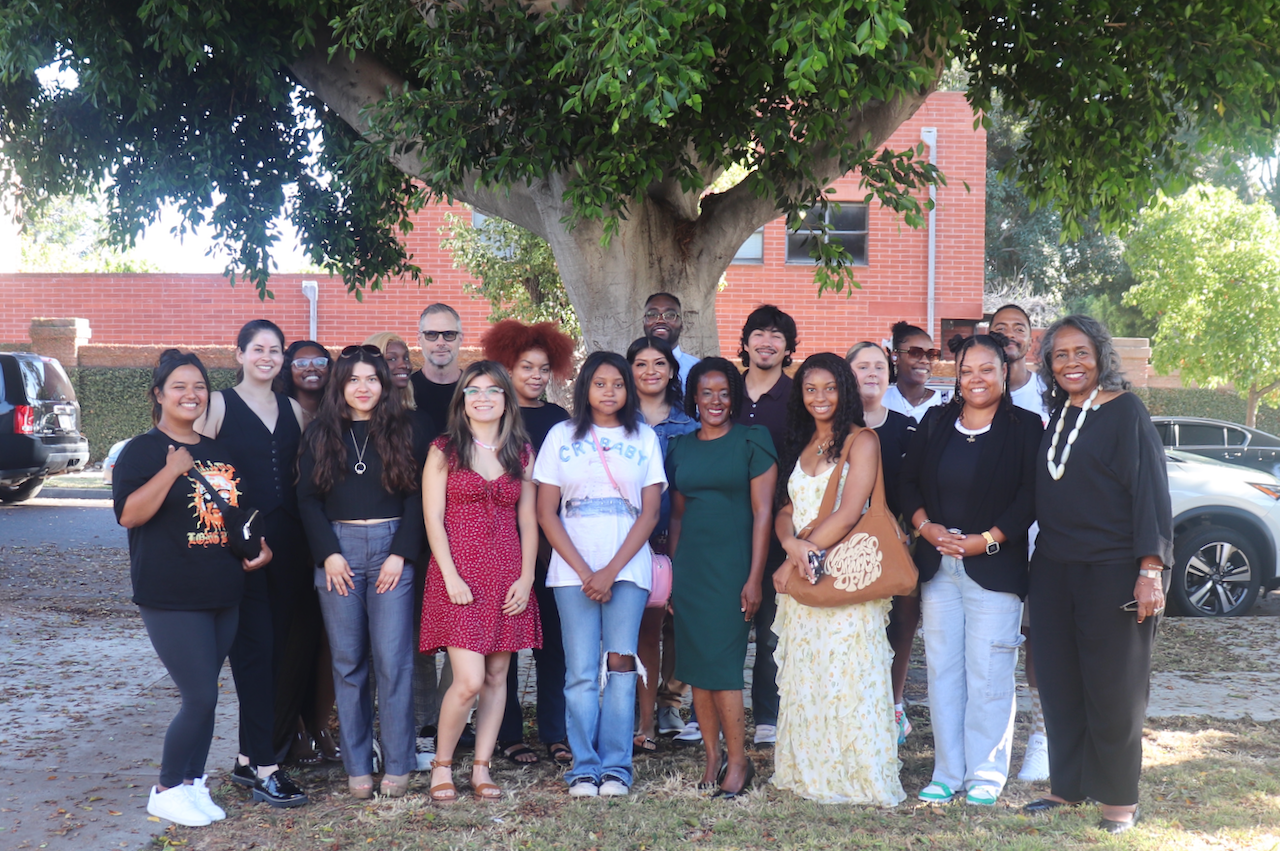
(443, 793)
(361, 786)
(485, 791)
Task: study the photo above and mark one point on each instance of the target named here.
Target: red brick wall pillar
(60, 338)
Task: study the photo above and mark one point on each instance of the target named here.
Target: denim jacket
(676, 423)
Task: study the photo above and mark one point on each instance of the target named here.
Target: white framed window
(848, 227)
(752, 251)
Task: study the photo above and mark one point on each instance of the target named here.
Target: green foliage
(200, 105)
(68, 234)
(516, 270)
(1209, 266)
(113, 402)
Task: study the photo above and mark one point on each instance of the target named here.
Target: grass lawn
(1207, 784)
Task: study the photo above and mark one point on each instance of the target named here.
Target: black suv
(39, 425)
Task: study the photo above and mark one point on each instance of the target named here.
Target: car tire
(1216, 573)
(22, 492)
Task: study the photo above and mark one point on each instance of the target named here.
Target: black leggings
(192, 645)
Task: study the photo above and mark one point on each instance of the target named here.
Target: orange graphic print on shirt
(211, 530)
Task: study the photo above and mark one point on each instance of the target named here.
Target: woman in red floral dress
(479, 505)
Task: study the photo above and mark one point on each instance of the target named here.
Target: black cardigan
(1003, 495)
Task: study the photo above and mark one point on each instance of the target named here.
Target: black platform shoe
(279, 790)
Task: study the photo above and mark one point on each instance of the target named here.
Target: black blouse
(266, 459)
(1112, 504)
(895, 435)
(362, 496)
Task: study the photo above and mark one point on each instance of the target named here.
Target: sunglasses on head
(303, 363)
(920, 352)
(432, 336)
(352, 351)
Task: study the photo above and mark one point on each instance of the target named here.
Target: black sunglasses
(432, 336)
(352, 351)
(920, 352)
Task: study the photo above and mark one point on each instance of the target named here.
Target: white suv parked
(1226, 526)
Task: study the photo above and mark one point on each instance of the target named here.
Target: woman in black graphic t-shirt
(186, 583)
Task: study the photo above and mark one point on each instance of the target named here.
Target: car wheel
(24, 491)
(1216, 573)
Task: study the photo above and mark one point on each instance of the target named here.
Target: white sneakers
(612, 787)
(766, 734)
(691, 734)
(1035, 763)
(179, 804)
(584, 789)
(200, 794)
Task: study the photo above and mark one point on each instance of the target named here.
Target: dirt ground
(85, 700)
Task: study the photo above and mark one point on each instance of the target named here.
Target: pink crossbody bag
(660, 583)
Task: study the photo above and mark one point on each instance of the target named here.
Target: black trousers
(270, 596)
(192, 645)
(1093, 662)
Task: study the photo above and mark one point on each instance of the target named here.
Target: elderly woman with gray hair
(1097, 576)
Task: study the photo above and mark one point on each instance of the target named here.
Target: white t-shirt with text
(594, 514)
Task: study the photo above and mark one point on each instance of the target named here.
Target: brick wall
(203, 310)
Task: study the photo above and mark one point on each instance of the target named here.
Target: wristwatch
(1149, 573)
(993, 546)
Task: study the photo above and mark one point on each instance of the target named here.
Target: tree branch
(729, 217)
(350, 86)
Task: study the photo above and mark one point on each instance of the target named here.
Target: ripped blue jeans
(971, 639)
(600, 728)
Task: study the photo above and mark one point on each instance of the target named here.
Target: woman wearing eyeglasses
(913, 357)
(358, 490)
(479, 504)
(304, 375)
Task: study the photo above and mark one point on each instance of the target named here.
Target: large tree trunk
(667, 241)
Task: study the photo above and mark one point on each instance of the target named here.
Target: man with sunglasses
(662, 319)
(440, 336)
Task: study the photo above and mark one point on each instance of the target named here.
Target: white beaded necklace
(1056, 470)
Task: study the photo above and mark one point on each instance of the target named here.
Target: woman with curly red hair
(532, 354)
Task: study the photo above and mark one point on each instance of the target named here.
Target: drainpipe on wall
(311, 290)
(929, 135)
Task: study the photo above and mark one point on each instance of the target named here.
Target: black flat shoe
(1044, 805)
(244, 775)
(279, 790)
(467, 739)
(1120, 826)
(725, 795)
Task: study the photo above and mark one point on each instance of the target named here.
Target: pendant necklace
(360, 465)
(479, 442)
(1056, 470)
(822, 447)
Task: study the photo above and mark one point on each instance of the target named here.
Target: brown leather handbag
(871, 563)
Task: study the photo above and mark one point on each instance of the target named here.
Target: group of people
(458, 510)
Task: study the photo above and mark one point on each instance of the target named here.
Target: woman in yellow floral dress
(837, 740)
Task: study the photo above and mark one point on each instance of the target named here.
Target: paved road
(66, 522)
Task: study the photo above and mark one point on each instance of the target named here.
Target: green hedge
(113, 402)
(1215, 404)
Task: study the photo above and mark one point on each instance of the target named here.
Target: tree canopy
(598, 124)
(1208, 265)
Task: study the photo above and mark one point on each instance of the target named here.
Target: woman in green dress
(722, 478)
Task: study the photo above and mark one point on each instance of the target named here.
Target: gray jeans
(364, 621)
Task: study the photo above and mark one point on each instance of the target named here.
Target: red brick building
(894, 274)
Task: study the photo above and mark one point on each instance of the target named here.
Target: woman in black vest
(261, 431)
(968, 484)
